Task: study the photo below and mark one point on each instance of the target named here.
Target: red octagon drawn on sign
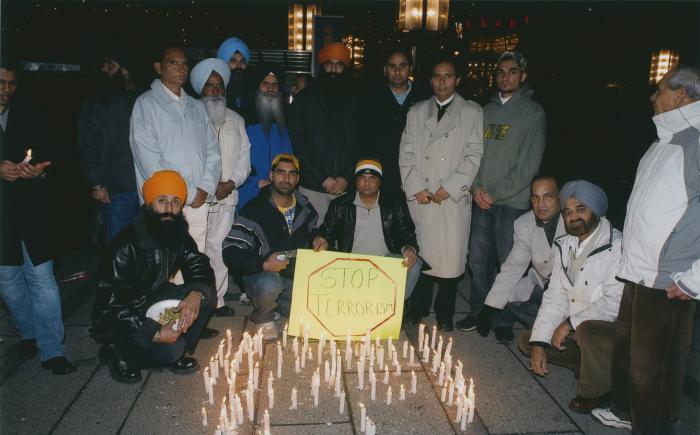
(378, 320)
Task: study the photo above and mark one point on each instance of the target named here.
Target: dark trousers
(490, 242)
(444, 302)
(652, 342)
(159, 355)
(522, 312)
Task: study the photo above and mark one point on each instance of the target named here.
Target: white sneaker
(269, 331)
(608, 418)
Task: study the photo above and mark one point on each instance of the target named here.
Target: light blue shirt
(177, 135)
(400, 98)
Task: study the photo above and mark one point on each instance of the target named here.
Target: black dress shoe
(119, 369)
(583, 405)
(184, 365)
(445, 327)
(208, 333)
(28, 349)
(483, 321)
(504, 335)
(224, 311)
(59, 365)
(467, 324)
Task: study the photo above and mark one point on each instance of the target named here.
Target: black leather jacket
(397, 225)
(136, 273)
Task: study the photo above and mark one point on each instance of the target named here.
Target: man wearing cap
(574, 326)
(324, 129)
(371, 223)
(267, 130)
(438, 158)
(236, 54)
(514, 141)
(276, 221)
(103, 143)
(209, 79)
(171, 130)
(135, 275)
(660, 266)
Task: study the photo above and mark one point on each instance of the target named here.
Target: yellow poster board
(340, 293)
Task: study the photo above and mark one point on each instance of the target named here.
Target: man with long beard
(574, 327)
(135, 275)
(236, 54)
(324, 128)
(266, 129)
(209, 79)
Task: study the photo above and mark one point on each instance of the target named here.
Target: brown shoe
(584, 405)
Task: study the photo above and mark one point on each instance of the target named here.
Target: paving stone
(82, 316)
(313, 429)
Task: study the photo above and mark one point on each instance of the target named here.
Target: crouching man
(279, 219)
(371, 224)
(138, 266)
(574, 326)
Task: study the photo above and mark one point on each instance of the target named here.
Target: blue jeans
(490, 242)
(31, 293)
(119, 213)
(268, 290)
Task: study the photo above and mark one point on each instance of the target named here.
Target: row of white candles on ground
(465, 398)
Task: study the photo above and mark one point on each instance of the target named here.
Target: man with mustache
(574, 327)
(267, 130)
(209, 79)
(135, 275)
(277, 220)
(236, 54)
(324, 127)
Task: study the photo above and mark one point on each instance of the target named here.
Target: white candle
(341, 408)
(398, 369)
(389, 348)
(386, 374)
(270, 380)
(361, 375)
(295, 346)
(326, 371)
(271, 399)
(310, 355)
(448, 350)
(451, 392)
(297, 369)
(279, 360)
(439, 348)
(426, 354)
(388, 395)
(421, 329)
(204, 417)
(211, 392)
(460, 410)
(206, 378)
(256, 375)
(239, 410)
(443, 393)
(441, 377)
(284, 336)
(250, 404)
(380, 356)
(472, 406)
(212, 368)
(220, 353)
(337, 381)
(411, 357)
(294, 399)
(266, 422)
(394, 355)
(404, 354)
(414, 381)
(402, 393)
(363, 416)
(432, 338)
(373, 386)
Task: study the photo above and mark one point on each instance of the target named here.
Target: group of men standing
(228, 184)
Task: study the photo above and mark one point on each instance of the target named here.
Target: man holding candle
(27, 282)
(278, 219)
(372, 223)
(574, 326)
(135, 275)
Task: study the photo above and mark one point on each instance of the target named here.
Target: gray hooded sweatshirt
(514, 140)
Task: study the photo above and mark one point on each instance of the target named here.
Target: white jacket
(530, 247)
(596, 293)
(235, 153)
(661, 243)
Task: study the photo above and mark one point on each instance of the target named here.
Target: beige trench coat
(447, 154)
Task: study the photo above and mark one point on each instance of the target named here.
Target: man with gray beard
(209, 78)
(267, 132)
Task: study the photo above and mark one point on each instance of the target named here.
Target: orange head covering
(337, 51)
(164, 183)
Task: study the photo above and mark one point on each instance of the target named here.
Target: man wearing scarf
(236, 54)
(209, 79)
(324, 128)
(136, 274)
(574, 327)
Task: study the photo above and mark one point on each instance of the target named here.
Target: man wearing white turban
(209, 79)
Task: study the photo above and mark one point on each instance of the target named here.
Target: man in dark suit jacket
(27, 282)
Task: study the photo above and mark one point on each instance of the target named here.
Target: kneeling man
(138, 266)
(371, 224)
(279, 219)
(574, 326)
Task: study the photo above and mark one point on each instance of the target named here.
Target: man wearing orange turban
(136, 276)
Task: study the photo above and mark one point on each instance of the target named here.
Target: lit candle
(402, 393)
(326, 371)
(451, 392)
(439, 348)
(386, 374)
(463, 420)
(284, 335)
(206, 378)
(421, 329)
(279, 360)
(398, 369)
(212, 368)
(389, 348)
(310, 355)
(411, 360)
(341, 408)
(373, 386)
(472, 406)
(239, 410)
(426, 354)
(361, 374)
(363, 416)
(28, 157)
(394, 355)
(256, 375)
(441, 377)
(388, 395)
(294, 399)
(295, 346)
(266, 422)
(211, 392)
(414, 381)
(337, 381)
(204, 417)
(270, 379)
(249, 403)
(271, 399)
(297, 369)
(443, 393)
(404, 354)
(227, 365)
(380, 356)
(220, 353)
(432, 338)
(448, 350)
(460, 411)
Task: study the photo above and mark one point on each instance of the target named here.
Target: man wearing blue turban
(236, 54)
